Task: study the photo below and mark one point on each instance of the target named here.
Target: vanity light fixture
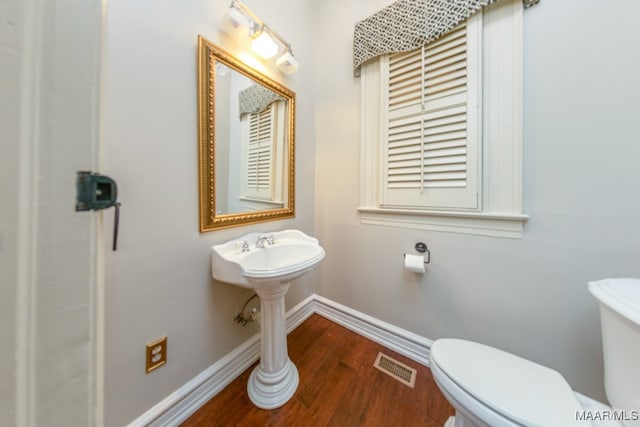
(238, 19)
(287, 62)
(266, 42)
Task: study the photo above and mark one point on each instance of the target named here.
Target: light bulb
(287, 63)
(237, 19)
(264, 45)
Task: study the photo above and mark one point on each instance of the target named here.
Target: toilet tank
(619, 301)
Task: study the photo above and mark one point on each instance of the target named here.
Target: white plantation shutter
(431, 157)
(260, 154)
(432, 122)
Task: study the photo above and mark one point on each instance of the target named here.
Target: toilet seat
(474, 412)
(508, 389)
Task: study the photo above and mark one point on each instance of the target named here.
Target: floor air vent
(395, 369)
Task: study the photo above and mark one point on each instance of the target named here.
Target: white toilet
(490, 387)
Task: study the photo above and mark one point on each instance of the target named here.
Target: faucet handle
(271, 239)
(244, 244)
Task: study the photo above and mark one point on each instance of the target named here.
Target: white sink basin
(291, 255)
(267, 262)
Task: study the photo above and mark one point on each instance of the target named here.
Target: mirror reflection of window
(264, 153)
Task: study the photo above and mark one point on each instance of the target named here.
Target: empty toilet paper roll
(414, 263)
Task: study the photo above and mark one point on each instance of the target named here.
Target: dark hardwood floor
(338, 387)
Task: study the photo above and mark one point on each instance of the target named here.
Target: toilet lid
(521, 390)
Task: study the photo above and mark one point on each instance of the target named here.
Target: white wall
(528, 295)
(158, 282)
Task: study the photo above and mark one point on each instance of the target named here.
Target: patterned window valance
(256, 98)
(408, 24)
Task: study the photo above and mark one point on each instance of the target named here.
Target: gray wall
(529, 295)
(158, 282)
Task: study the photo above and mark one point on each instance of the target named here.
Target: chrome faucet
(262, 241)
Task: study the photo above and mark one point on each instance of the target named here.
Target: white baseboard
(180, 405)
(397, 339)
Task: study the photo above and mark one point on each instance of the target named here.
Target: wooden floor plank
(338, 387)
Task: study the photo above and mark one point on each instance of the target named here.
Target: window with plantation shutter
(441, 140)
(431, 123)
(260, 153)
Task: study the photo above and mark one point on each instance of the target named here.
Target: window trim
(501, 181)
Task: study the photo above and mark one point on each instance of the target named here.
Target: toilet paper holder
(422, 248)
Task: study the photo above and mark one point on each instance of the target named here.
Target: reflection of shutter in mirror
(259, 160)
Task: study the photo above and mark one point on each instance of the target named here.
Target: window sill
(492, 224)
(275, 203)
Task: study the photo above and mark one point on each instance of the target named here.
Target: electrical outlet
(156, 353)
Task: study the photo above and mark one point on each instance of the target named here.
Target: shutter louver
(427, 123)
(405, 79)
(446, 65)
(445, 147)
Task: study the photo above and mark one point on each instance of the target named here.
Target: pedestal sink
(267, 263)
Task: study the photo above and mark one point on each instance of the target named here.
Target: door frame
(58, 279)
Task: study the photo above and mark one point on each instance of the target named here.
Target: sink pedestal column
(275, 380)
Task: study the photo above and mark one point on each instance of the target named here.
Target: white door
(50, 325)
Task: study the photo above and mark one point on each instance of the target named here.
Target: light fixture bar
(286, 62)
(238, 5)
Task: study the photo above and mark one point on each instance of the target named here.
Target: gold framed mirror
(246, 132)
